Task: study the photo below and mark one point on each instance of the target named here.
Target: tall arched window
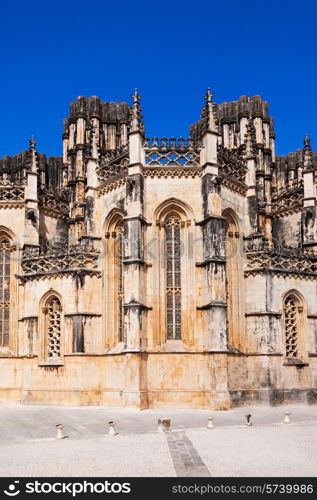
(172, 322)
(5, 275)
(234, 281)
(53, 328)
(120, 283)
(114, 280)
(173, 278)
(292, 310)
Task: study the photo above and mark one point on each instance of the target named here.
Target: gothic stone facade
(159, 272)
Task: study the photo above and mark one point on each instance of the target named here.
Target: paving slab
(268, 448)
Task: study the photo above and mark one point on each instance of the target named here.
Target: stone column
(134, 265)
(91, 173)
(213, 233)
(308, 176)
(213, 226)
(251, 200)
(133, 234)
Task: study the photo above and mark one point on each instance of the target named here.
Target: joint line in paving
(186, 459)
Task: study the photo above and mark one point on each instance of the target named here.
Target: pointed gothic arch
(293, 325)
(52, 327)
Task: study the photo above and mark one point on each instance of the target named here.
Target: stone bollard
(112, 431)
(210, 423)
(166, 425)
(248, 417)
(287, 419)
(59, 434)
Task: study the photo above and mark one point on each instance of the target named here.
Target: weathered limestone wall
(83, 380)
(287, 230)
(53, 230)
(236, 202)
(14, 220)
(264, 379)
(179, 380)
(175, 380)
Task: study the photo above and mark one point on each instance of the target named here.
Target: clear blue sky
(51, 52)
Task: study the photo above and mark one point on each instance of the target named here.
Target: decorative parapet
(279, 260)
(77, 260)
(113, 164)
(232, 162)
(172, 172)
(288, 200)
(55, 201)
(11, 190)
(171, 152)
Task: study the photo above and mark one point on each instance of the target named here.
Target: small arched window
(5, 295)
(53, 328)
(291, 311)
(173, 277)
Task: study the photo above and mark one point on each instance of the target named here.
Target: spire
(308, 154)
(136, 115)
(33, 152)
(208, 116)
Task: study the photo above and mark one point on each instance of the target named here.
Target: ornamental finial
(136, 116)
(208, 116)
(208, 96)
(33, 155)
(307, 140)
(136, 96)
(32, 142)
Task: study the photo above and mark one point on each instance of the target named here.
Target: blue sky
(51, 52)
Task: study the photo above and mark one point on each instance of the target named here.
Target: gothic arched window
(53, 328)
(234, 281)
(5, 275)
(114, 280)
(173, 277)
(291, 321)
(120, 283)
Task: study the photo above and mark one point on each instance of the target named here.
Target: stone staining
(153, 272)
(54, 328)
(291, 327)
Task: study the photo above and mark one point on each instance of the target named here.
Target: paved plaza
(267, 448)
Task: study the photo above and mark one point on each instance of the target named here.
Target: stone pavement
(28, 446)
